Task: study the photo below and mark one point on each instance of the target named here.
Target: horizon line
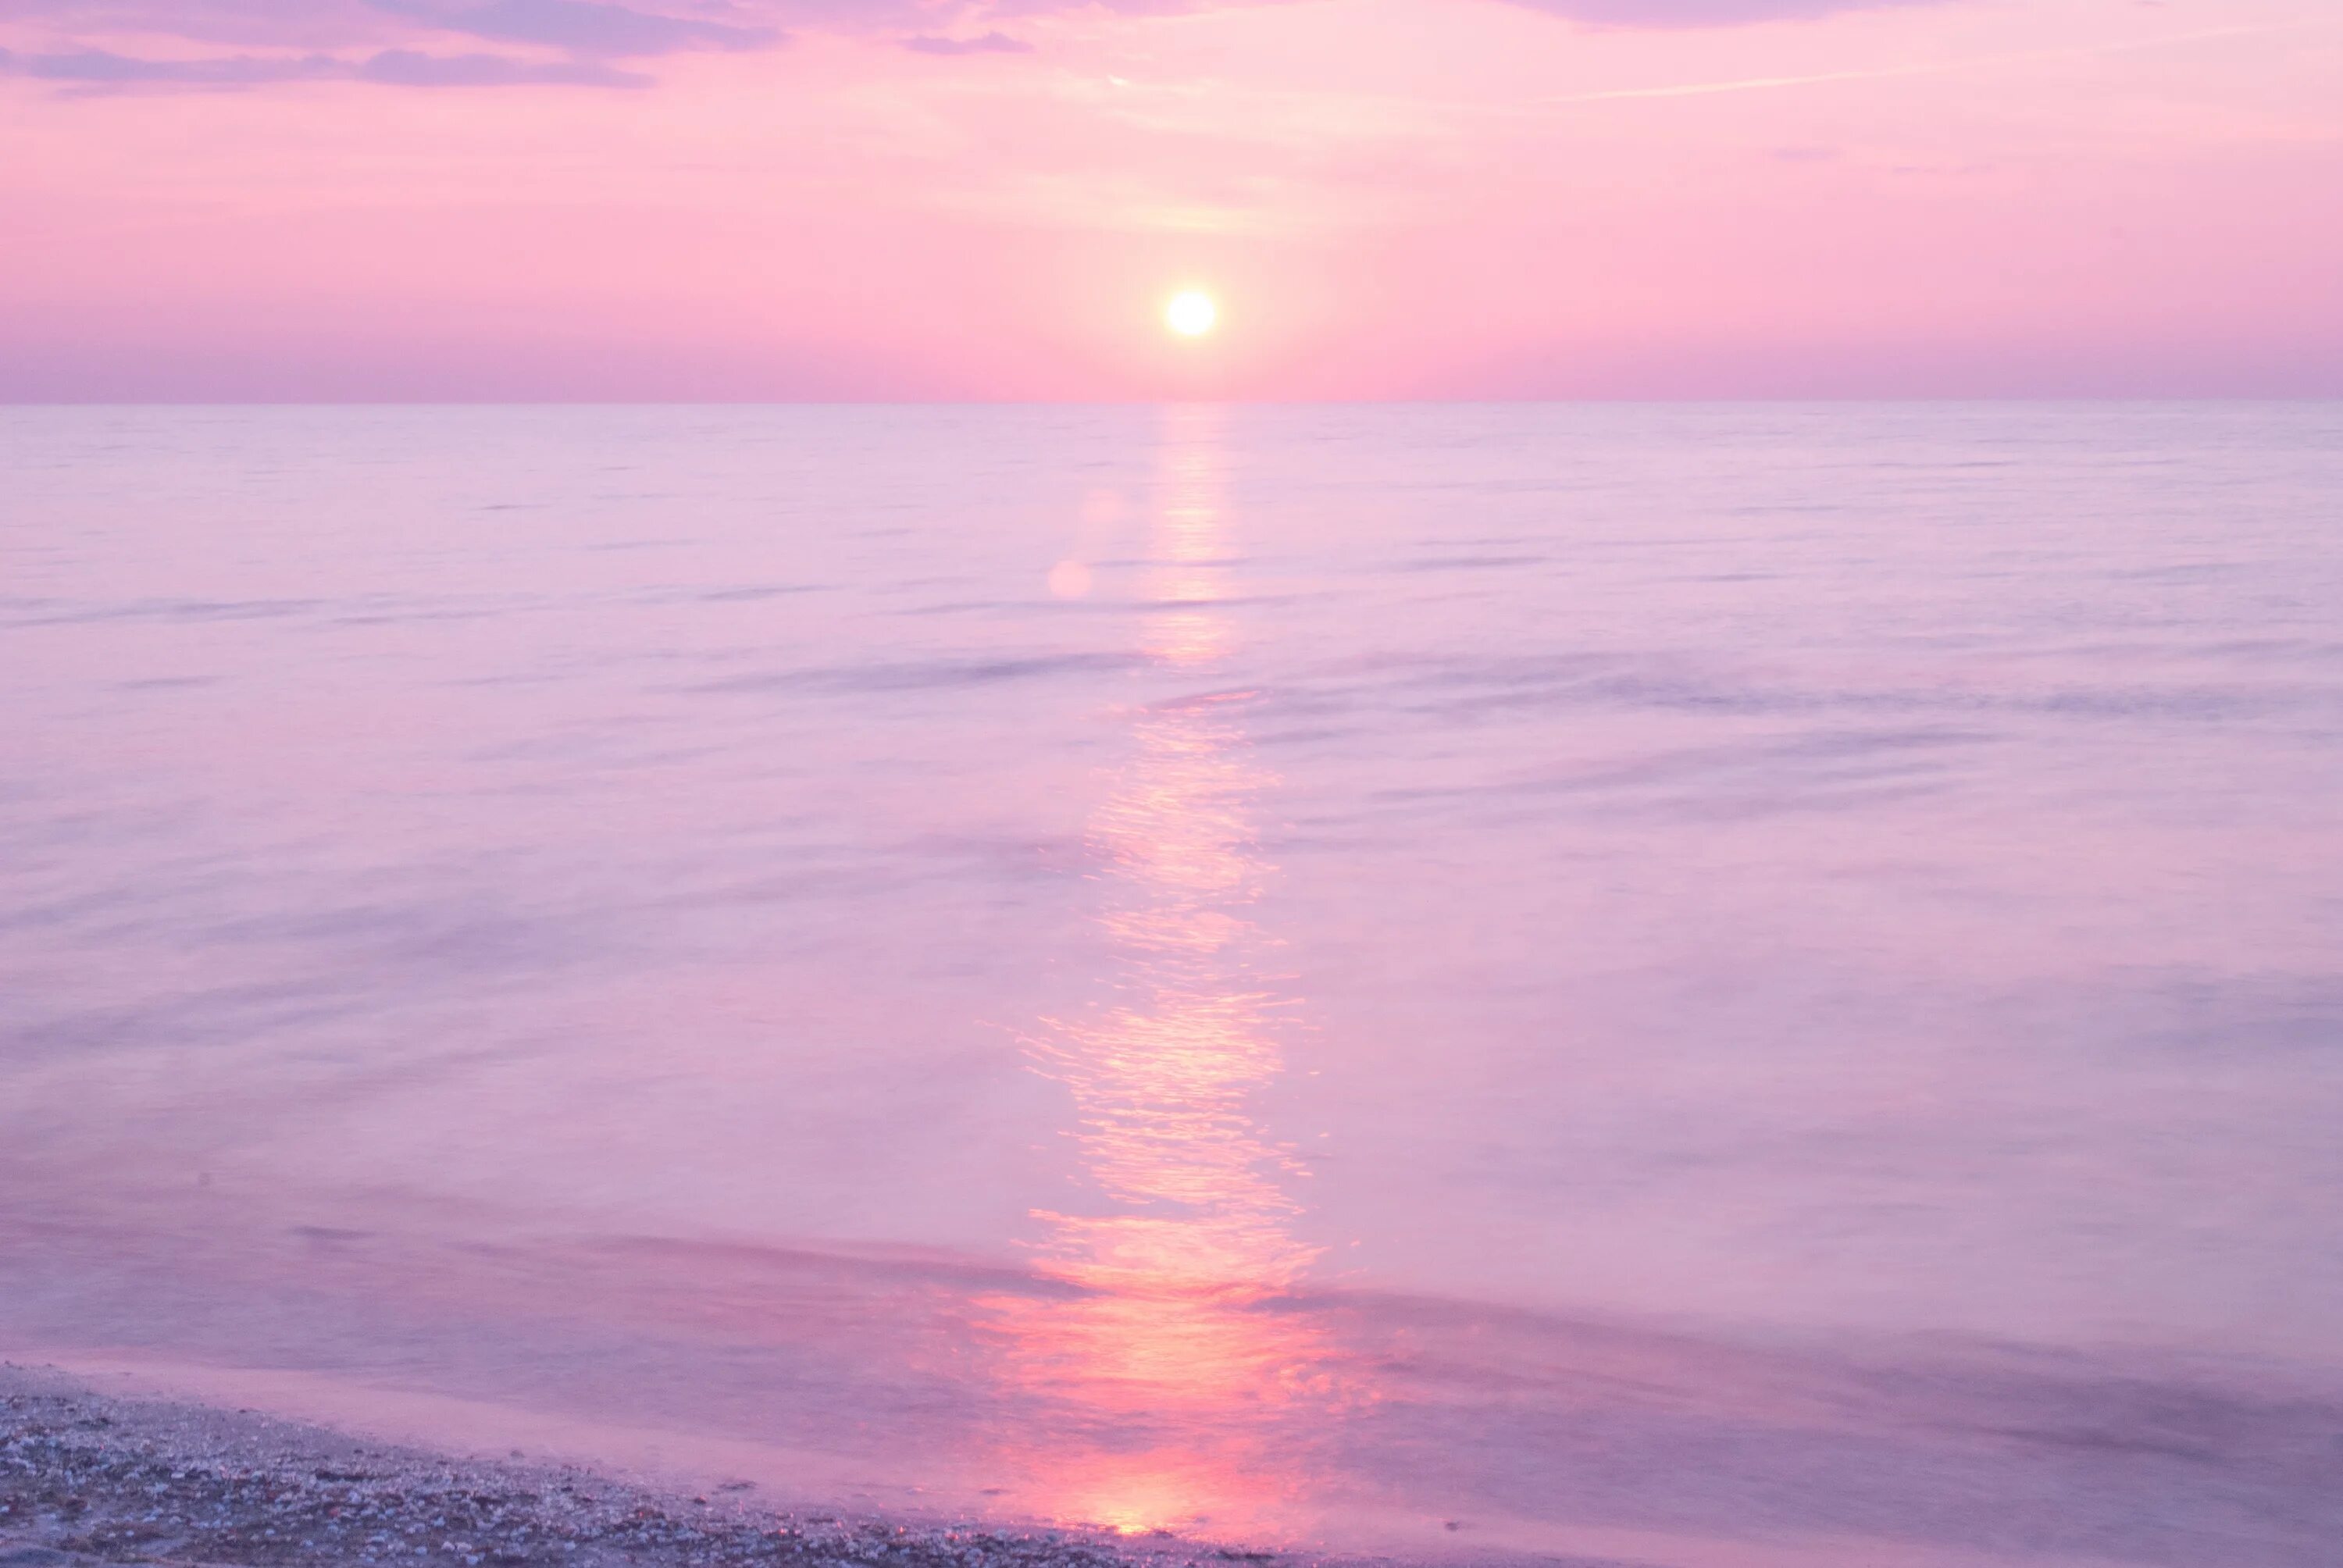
(1591, 400)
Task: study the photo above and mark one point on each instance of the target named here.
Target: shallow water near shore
(1706, 985)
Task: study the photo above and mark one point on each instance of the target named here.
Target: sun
(1191, 313)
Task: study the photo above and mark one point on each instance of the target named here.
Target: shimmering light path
(1212, 1404)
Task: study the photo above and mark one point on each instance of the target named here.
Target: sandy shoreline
(88, 1478)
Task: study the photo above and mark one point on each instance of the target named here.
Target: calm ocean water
(1704, 985)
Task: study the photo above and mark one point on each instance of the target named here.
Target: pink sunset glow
(485, 199)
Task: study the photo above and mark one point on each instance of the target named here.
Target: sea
(1699, 986)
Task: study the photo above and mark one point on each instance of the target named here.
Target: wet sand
(87, 1478)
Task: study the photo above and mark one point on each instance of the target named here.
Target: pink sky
(298, 199)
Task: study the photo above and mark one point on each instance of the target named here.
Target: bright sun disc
(1191, 315)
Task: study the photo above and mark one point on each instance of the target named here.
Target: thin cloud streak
(989, 44)
(382, 42)
(582, 26)
(100, 70)
(592, 31)
(1932, 68)
(1683, 16)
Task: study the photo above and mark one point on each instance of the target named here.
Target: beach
(89, 1478)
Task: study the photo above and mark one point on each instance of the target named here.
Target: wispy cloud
(634, 28)
(409, 68)
(1923, 68)
(389, 41)
(580, 27)
(989, 44)
(1686, 14)
(101, 67)
(569, 43)
(102, 70)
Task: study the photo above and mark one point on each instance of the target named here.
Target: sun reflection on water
(1185, 1375)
